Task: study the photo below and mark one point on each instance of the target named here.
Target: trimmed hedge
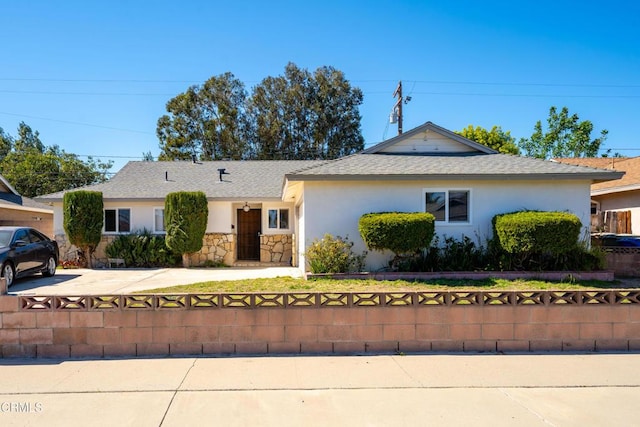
(537, 232)
(83, 217)
(400, 232)
(185, 216)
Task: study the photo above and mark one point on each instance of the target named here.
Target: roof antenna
(222, 172)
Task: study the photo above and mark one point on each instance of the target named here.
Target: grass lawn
(288, 284)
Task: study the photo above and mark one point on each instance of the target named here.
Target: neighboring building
(615, 204)
(270, 211)
(22, 211)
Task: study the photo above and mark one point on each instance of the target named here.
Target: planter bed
(603, 275)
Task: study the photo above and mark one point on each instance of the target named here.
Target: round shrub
(400, 232)
(537, 232)
(333, 255)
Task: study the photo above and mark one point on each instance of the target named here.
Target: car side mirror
(20, 243)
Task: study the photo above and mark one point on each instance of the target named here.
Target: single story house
(23, 211)
(270, 211)
(620, 195)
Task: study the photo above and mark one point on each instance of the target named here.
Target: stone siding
(216, 247)
(276, 248)
(68, 251)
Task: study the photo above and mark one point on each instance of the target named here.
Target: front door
(249, 228)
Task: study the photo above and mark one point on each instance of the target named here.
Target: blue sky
(94, 77)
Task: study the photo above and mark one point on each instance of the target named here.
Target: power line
(18, 79)
(521, 95)
(76, 123)
(38, 92)
(447, 82)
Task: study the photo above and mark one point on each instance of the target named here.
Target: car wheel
(50, 270)
(7, 273)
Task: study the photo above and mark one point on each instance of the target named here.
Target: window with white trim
(158, 220)
(117, 220)
(595, 207)
(279, 218)
(448, 206)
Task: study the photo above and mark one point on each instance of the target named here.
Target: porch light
(246, 207)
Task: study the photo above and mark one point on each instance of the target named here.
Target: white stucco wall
(221, 218)
(335, 207)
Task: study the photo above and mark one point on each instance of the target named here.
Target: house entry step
(260, 264)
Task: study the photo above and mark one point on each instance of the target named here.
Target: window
(117, 220)
(595, 207)
(279, 218)
(158, 220)
(35, 236)
(448, 206)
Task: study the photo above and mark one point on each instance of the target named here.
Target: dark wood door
(249, 228)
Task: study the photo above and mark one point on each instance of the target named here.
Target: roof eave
(509, 177)
(610, 190)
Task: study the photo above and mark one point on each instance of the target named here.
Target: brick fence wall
(142, 325)
(625, 262)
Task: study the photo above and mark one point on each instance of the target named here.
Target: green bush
(401, 233)
(466, 255)
(142, 249)
(536, 240)
(333, 255)
(186, 216)
(83, 218)
(452, 255)
(537, 232)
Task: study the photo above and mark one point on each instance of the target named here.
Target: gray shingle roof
(263, 180)
(474, 166)
(246, 180)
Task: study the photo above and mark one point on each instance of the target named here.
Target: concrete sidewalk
(122, 281)
(447, 390)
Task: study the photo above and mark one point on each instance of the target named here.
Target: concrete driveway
(122, 281)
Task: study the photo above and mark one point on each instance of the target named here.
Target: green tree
(496, 138)
(6, 144)
(299, 115)
(303, 115)
(565, 136)
(83, 219)
(207, 120)
(35, 169)
(186, 222)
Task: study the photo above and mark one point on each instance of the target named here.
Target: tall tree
(565, 136)
(35, 169)
(207, 121)
(496, 138)
(6, 144)
(303, 115)
(299, 115)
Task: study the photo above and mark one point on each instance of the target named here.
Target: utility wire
(447, 82)
(76, 123)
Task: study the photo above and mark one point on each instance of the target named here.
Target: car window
(5, 238)
(35, 236)
(22, 235)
